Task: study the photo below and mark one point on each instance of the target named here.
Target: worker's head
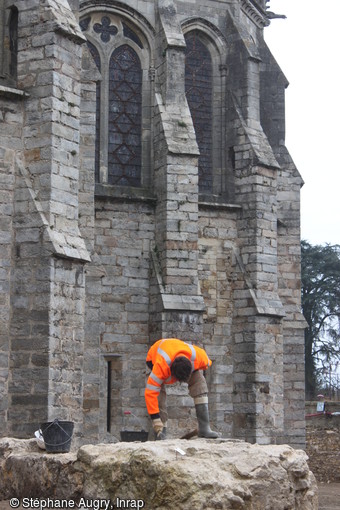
(181, 368)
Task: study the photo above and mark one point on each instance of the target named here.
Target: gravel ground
(329, 496)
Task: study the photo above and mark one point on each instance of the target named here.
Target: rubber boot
(204, 430)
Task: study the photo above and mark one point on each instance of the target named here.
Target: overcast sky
(306, 46)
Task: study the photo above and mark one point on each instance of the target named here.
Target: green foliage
(320, 294)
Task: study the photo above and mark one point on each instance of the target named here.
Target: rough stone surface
(211, 474)
(27, 472)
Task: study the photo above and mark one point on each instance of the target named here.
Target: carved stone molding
(255, 13)
(201, 23)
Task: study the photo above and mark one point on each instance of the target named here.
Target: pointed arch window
(198, 89)
(95, 55)
(123, 113)
(205, 87)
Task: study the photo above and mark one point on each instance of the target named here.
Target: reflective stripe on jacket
(162, 354)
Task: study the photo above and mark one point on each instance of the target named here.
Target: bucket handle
(56, 422)
(129, 413)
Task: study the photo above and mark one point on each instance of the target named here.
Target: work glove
(158, 426)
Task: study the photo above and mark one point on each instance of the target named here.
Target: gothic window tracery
(105, 29)
(122, 117)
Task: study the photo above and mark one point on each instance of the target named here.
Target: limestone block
(24, 471)
(211, 474)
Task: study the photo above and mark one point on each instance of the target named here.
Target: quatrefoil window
(105, 29)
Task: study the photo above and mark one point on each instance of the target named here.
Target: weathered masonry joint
(146, 192)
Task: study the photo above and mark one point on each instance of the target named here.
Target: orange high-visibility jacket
(161, 355)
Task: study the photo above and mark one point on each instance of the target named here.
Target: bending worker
(173, 360)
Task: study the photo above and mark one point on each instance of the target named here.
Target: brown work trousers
(197, 387)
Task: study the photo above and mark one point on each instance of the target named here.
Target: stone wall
(117, 309)
(9, 113)
(217, 234)
(91, 273)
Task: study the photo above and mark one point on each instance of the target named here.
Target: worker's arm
(152, 391)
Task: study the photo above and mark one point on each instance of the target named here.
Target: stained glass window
(8, 45)
(96, 58)
(119, 52)
(105, 29)
(125, 115)
(198, 88)
(130, 34)
(13, 42)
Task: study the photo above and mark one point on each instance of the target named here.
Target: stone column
(258, 339)
(7, 178)
(258, 349)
